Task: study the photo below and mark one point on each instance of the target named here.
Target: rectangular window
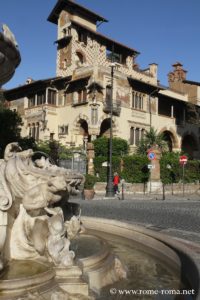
(52, 97)
(137, 136)
(116, 57)
(41, 98)
(82, 37)
(137, 100)
(142, 134)
(132, 136)
(31, 101)
(94, 115)
(108, 94)
(66, 31)
(37, 132)
(82, 96)
(63, 130)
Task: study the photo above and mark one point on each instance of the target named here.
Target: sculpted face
(44, 194)
(57, 183)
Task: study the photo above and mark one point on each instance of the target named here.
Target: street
(179, 218)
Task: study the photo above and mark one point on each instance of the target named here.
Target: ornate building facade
(74, 107)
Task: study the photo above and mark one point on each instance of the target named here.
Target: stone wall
(140, 188)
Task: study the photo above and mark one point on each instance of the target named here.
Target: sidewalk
(153, 197)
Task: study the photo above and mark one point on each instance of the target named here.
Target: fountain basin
(173, 253)
(24, 275)
(95, 254)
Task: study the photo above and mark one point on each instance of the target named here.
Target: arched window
(80, 58)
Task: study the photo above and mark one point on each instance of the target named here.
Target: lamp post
(109, 187)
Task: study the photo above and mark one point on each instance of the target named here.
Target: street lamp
(109, 187)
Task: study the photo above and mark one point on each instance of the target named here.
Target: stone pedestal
(90, 158)
(70, 280)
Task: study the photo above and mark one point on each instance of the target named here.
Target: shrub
(135, 168)
(192, 171)
(90, 181)
(170, 169)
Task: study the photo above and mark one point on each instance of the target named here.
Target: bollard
(122, 198)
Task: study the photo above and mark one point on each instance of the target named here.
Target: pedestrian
(116, 181)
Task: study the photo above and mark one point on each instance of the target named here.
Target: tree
(10, 127)
(119, 148)
(152, 138)
(27, 143)
(192, 113)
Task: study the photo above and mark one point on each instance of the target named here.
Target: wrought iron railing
(116, 106)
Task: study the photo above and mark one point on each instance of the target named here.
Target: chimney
(178, 74)
(153, 70)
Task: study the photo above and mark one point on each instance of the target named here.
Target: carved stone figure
(9, 35)
(57, 243)
(9, 54)
(28, 188)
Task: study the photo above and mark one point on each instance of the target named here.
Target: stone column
(90, 158)
(155, 172)
(155, 184)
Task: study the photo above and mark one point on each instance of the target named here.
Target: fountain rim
(186, 256)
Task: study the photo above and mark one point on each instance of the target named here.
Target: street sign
(151, 155)
(151, 166)
(183, 159)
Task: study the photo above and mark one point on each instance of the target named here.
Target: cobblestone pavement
(178, 218)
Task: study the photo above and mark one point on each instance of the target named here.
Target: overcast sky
(163, 31)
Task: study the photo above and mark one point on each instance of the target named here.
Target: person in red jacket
(116, 181)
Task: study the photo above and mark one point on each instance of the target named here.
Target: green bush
(172, 171)
(192, 171)
(103, 171)
(90, 181)
(43, 146)
(135, 168)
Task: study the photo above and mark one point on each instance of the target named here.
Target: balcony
(39, 110)
(116, 107)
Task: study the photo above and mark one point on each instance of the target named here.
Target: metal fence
(77, 164)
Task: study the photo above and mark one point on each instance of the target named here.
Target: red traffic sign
(151, 155)
(183, 159)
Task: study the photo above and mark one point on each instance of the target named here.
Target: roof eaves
(29, 85)
(61, 4)
(156, 87)
(191, 82)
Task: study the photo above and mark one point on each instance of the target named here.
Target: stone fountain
(9, 55)
(37, 224)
